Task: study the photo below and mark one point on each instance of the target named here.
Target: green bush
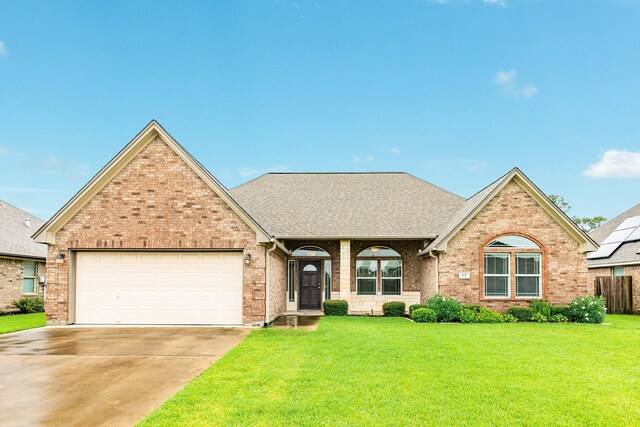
(33, 304)
(563, 310)
(335, 307)
(393, 309)
(488, 316)
(509, 318)
(467, 315)
(447, 309)
(541, 306)
(523, 314)
(558, 318)
(424, 315)
(415, 306)
(589, 309)
(539, 318)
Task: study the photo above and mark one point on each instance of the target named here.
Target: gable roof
(392, 205)
(476, 202)
(627, 253)
(15, 233)
(46, 234)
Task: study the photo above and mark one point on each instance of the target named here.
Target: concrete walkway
(101, 376)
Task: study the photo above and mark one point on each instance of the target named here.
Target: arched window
(310, 251)
(512, 266)
(379, 270)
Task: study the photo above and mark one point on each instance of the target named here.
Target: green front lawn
(385, 371)
(20, 322)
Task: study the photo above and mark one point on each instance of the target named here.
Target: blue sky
(455, 92)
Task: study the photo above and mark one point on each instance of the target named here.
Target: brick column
(345, 269)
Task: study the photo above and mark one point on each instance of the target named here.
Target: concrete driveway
(74, 376)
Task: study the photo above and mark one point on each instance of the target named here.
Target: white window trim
(379, 277)
(291, 277)
(539, 276)
(508, 276)
(390, 278)
(368, 278)
(35, 277)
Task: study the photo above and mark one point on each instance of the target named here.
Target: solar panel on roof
(604, 251)
(632, 222)
(618, 236)
(633, 236)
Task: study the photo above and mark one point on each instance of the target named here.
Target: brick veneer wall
(11, 270)
(277, 284)
(629, 270)
(513, 211)
(156, 202)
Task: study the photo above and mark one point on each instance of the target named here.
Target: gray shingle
(627, 252)
(15, 235)
(349, 205)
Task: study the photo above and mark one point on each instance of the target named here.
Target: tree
(586, 223)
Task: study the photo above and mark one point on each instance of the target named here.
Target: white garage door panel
(159, 288)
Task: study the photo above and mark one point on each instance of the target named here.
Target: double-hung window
(378, 271)
(29, 277)
(512, 268)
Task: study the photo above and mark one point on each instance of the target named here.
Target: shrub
(523, 314)
(509, 318)
(335, 307)
(467, 315)
(393, 308)
(33, 304)
(541, 306)
(424, 315)
(473, 308)
(447, 309)
(539, 318)
(589, 309)
(415, 306)
(558, 318)
(488, 316)
(563, 310)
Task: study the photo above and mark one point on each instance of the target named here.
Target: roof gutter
(266, 280)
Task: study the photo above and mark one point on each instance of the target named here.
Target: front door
(310, 285)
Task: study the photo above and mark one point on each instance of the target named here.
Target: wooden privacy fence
(618, 291)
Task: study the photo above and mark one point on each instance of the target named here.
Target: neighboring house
(154, 238)
(619, 251)
(22, 261)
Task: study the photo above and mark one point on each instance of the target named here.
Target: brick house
(619, 251)
(22, 261)
(154, 238)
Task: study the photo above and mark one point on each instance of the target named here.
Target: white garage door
(146, 288)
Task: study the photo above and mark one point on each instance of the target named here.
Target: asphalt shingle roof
(627, 252)
(15, 235)
(349, 205)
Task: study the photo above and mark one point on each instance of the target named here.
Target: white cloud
(394, 150)
(3, 48)
(502, 3)
(4, 149)
(26, 190)
(508, 82)
(246, 172)
(615, 164)
(365, 159)
(54, 166)
(476, 165)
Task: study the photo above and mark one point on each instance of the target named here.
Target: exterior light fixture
(374, 249)
(60, 258)
(247, 259)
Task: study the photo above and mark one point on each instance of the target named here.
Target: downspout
(431, 255)
(272, 240)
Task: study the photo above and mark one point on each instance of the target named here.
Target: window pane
(391, 286)
(291, 283)
(391, 268)
(327, 279)
(366, 286)
(28, 286)
(527, 263)
(618, 271)
(309, 251)
(310, 267)
(513, 242)
(366, 268)
(29, 269)
(496, 263)
(496, 286)
(527, 286)
(379, 251)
